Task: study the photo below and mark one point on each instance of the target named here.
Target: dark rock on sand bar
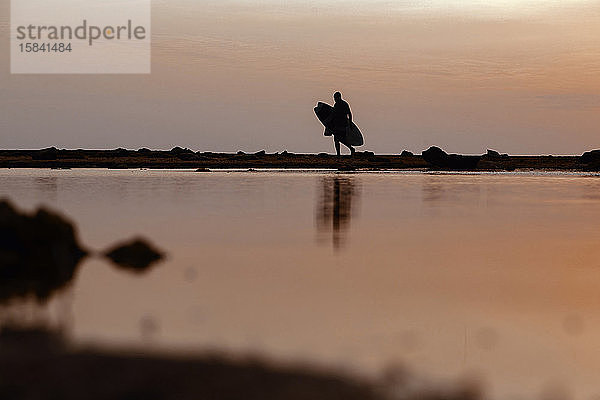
(120, 152)
(185, 159)
(494, 161)
(179, 150)
(590, 160)
(183, 154)
(45, 154)
(440, 159)
(590, 156)
(406, 153)
(492, 154)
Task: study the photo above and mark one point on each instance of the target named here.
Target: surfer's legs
(337, 147)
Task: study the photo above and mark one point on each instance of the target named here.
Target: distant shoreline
(179, 158)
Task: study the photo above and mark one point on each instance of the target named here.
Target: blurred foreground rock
(39, 252)
(136, 255)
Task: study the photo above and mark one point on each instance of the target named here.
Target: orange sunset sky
(518, 76)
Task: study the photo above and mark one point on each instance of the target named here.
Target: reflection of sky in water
(487, 273)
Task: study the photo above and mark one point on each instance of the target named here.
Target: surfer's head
(337, 96)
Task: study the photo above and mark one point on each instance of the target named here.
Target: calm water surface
(492, 276)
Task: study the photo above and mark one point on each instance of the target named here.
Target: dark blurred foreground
(37, 365)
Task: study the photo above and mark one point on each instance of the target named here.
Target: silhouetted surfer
(341, 119)
(338, 123)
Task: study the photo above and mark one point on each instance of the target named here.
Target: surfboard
(354, 136)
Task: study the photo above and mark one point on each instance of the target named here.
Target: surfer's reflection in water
(336, 203)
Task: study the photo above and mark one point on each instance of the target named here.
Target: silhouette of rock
(179, 150)
(39, 253)
(406, 153)
(440, 159)
(203, 170)
(50, 153)
(183, 154)
(136, 255)
(494, 155)
(436, 156)
(494, 161)
(260, 153)
(590, 157)
(590, 160)
(241, 153)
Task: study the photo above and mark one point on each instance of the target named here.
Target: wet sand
(179, 158)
